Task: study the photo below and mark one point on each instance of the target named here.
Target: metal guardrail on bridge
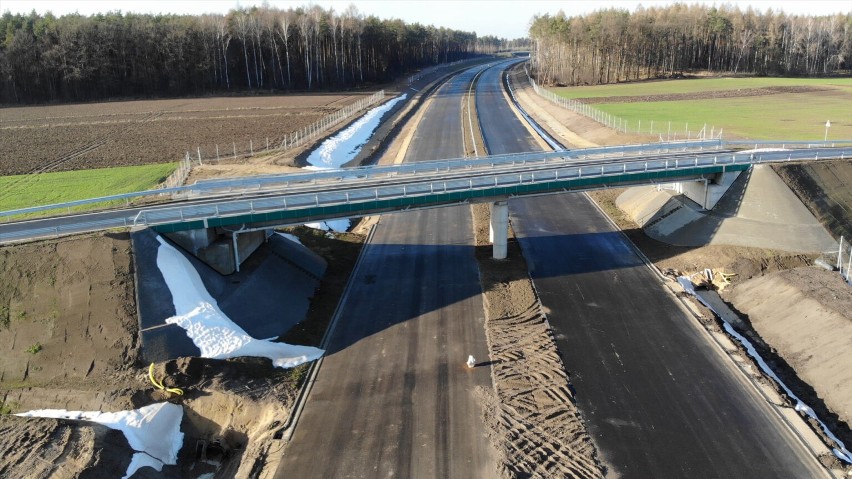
(538, 174)
(256, 182)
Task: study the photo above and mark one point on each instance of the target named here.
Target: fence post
(251, 148)
(235, 150)
(217, 152)
(848, 265)
(199, 155)
(267, 144)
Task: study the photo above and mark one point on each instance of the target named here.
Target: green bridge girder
(370, 207)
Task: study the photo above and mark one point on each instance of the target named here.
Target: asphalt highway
(393, 397)
(657, 398)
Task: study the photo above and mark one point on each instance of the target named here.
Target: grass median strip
(23, 191)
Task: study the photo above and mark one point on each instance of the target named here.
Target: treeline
(78, 58)
(614, 45)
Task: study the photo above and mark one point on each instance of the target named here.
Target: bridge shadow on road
(400, 282)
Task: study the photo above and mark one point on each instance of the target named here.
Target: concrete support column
(499, 230)
(708, 192)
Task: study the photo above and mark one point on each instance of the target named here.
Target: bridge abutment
(706, 192)
(499, 228)
(223, 250)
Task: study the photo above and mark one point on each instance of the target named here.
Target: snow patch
(153, 430)
(762, 150)
(216, 335)
(344, 146)
(140, 460)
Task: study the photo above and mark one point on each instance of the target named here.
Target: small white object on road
(471, 362)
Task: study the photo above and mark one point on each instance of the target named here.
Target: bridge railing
(236, 185)
(257, 182)
(458, 189)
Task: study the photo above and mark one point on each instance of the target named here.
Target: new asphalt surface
(658, 399)
(393, 397)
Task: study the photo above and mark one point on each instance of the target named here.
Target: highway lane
(657, 398)
(393, 397)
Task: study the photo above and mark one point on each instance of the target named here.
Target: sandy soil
(530, 413)
(264, 166)
(533, 421)
(806, 314)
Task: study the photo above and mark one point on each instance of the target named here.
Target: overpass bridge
(241, 205)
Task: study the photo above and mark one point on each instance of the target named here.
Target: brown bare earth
(99, 135)
(813, 300)
(531, 416)
(707, 95)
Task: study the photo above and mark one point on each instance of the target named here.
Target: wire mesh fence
(665, 130)
(844, 259)
(179, 176)
(254, 146)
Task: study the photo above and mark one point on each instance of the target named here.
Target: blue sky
(503, 18)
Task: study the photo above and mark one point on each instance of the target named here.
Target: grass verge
(23, 191)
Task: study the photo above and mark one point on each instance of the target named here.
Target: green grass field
(665, 87)
(51, 188)
(793, 116)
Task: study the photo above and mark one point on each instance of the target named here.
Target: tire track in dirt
(530, 415)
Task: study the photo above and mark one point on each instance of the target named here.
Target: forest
(614, 45)
(82, 58)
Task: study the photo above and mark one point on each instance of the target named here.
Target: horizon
(502, 18)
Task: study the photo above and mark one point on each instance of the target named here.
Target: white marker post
(827, 126)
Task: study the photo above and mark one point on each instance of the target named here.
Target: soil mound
(806, 315)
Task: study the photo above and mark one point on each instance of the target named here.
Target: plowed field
(101, 135)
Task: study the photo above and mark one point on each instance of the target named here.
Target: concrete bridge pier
(499, 229)
(220, 248)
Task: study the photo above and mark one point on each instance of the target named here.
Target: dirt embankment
(806, 315)
(824, 188)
